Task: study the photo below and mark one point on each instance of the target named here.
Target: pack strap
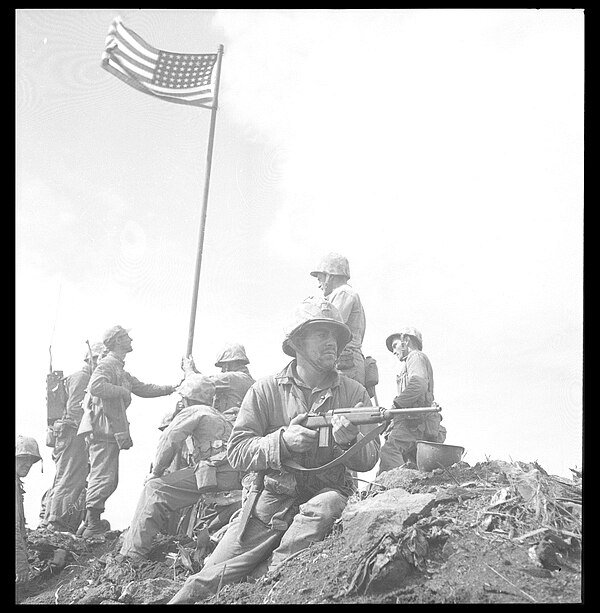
(371, 435)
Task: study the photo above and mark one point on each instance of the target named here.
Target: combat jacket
(207, 429)
(21, 561)
(415, 381)
(267, 409)
(205, 432)
(231, 387)
(347, 301)
(106, 385)
(76, 385)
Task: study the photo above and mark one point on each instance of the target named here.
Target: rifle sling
(371, 435)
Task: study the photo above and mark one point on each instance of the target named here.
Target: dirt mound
(497, 532)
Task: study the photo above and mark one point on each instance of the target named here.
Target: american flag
(183, 78)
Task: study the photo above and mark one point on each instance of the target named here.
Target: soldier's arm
(251, 446)
(149, 390)
(101, 386)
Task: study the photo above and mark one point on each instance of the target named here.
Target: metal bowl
(437, 455)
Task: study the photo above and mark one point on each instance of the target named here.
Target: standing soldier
(70, 454)
(232, 383)
(27, 453)
(333, 272)
(111, 387)
(415, 389)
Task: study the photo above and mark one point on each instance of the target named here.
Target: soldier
(287, 509)
(63, 506)
(165, 494)
(111, 387)
(232, 383)
(415, 389)
(333, 272)
(27, 453)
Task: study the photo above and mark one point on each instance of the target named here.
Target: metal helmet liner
(333, 264)
(410, 331)
(232, 352)
(197, 387)
(315, 310)
(27, 445)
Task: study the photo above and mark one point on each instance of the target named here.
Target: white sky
(440, 150)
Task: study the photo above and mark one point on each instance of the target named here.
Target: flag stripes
(182, 78)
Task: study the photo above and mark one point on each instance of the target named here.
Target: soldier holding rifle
(296, 489)
(415, 389)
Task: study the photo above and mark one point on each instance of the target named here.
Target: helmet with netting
(316, 310)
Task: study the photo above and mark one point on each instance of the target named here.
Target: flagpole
(211, 135)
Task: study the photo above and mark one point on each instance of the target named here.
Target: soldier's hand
(296, 437)
(22, 576)
(343, 430)
(187, 365)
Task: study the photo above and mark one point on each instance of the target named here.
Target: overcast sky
(440, 150)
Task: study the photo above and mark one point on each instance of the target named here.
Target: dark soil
(497, 532)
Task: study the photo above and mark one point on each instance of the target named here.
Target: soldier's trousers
(72, 467)
(158, 500)
(263, 548)
(401, 442)
(104, 473)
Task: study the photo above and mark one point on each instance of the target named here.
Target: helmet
(97, 351)
(410, 332)
(314, 310)
(26, 445)
(197, 387)
(333, 264)
(232, 352)
(110, 335)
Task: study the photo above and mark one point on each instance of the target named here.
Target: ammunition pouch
(50, 436)
(216, 475)
(123, 440)
(371, 372)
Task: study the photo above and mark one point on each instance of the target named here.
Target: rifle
(360, 416)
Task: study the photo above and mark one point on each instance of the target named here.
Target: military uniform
(415, 389)
(209, 471)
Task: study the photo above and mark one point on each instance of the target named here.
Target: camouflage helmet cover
(313, 310)
(197, 387)
(27, 445)
(410, 331)
(232, 352)
(333, 264)
(111, 334)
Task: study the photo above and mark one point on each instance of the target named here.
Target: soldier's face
(318, 345)
(400, 346)
(123, 343)
(324, 283)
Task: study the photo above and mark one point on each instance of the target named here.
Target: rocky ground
(496, 532)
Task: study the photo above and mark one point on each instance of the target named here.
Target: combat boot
(94, 526)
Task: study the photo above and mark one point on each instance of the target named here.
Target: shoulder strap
(371, 435)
